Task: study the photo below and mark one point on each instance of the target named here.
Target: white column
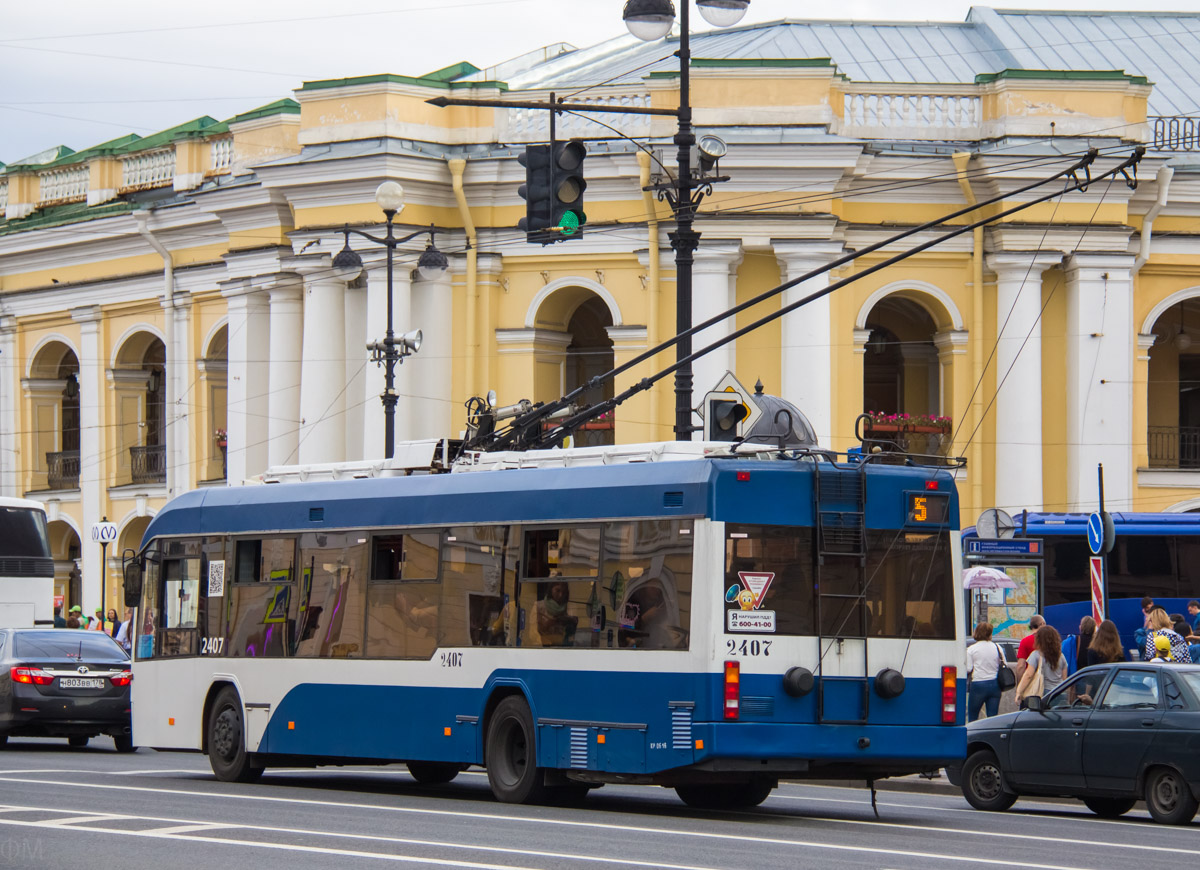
(177, 311)
(807, 334)
(713, 293)
(431, 403)
(374, 329)
(283, 401)
(1101, 338)
(93, 469)
(323, 370)
(249, 339)
(357, 367)
(1019, 377)
(10, 414)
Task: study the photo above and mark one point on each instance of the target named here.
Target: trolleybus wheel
(227, 740)
(512, 767)
(1169, 797)
(726, 796)
(433, 772)
(983, 783)
(1109, 808)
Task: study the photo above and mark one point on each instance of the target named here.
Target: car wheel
(1169, 797)
(227, 740)
(983, 783)
(77, 741)
(124, 743)
(433, 772)
(3, 740)
(1109, 808)
(512, 767)
(725, 796)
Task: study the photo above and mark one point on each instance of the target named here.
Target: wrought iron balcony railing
(1174, 446)
(63, 470)
(149, 463)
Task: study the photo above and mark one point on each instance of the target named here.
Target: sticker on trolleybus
(749, 620)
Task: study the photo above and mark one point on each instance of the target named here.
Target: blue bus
(698, 616)
(1155, 555)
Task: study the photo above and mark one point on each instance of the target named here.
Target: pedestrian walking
(125, 632)
(1105, 647)
(1025, 647)
(1087, 631)
(1193, 609)
(114, 624)
(1161, 626)
(984, 660)
(1046, 666)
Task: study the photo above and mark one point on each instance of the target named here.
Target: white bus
(26, 568)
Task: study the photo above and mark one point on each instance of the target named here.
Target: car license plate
(79, 683)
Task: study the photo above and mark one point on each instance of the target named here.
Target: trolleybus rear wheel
(227, 740)
(983, 783)
(433, 772)
(724, 796)
(512, 767)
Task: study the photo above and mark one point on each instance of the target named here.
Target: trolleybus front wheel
(512, 767)
(726, 796)
(227, 740)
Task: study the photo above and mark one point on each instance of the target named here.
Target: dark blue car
(1111, 735)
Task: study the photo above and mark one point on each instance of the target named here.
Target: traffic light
(538, 193)
(569, 186)
(553, 192)
(721, 421)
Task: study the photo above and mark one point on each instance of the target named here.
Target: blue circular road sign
(1095, 533)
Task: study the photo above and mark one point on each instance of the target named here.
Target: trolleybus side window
(653, 561)
(909, 584)
(475, 583)
(768, 571)
(403, 595)
(333, 572)
(262, 603)
(559, 589)
(180, 613)
(147, 631)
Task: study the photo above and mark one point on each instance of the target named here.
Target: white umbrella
(982, 577)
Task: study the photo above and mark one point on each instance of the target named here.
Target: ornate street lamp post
(347, 265)
(651, 20)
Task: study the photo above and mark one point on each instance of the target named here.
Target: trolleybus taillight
(732, 689)
(949, 694)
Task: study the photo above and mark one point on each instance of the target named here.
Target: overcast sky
(79, 73)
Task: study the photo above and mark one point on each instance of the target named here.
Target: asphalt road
(65, 808)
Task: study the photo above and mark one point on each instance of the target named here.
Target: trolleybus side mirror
(133, 581)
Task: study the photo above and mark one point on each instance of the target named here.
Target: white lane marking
(1022, 810)
(289, 847)
(143, 772)
(566, 823)
(74, 820)
(4, 772)
(183, 826)
(187, 829)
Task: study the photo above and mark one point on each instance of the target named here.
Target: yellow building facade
(170, 317)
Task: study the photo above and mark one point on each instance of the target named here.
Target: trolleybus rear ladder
(840, 496)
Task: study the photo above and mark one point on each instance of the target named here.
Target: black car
(1110, 735)
(64, 683)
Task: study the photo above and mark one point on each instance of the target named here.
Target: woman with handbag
(1047, 665)
(984, 663)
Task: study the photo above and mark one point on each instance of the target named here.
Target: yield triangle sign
(758, 583)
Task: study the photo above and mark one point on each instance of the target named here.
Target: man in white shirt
(124, 633)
